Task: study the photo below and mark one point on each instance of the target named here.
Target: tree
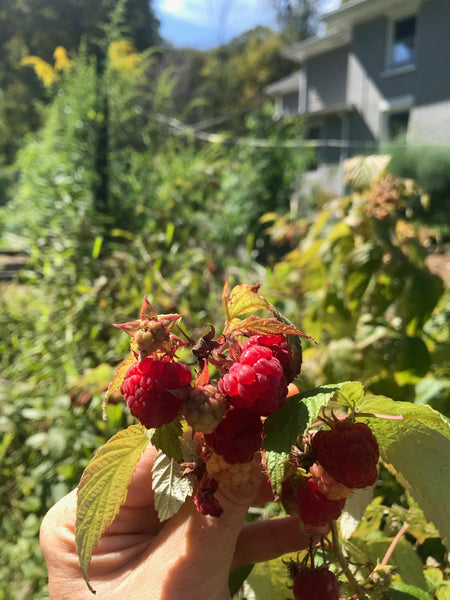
(298, 19)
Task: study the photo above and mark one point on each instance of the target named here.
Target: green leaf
(354, 509)
(350, 393)
(403, 591)
(276, 468)
(283, 427)
(415, 447)
(167, 438)
(170, 488)
(317, 398)
(243, 299)
(103, 489)
(253, 325)
(117, 380)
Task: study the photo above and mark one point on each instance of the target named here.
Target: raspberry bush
(218, 407)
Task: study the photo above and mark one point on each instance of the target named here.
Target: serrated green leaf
(443, 592)
(118, 377)
(242, 300)
(276, 468)
(170, 488)
(283, 427)
(103, 489)
(415, 447)
(167, 438)
(403, 591)
(253, 325)
(317, 398)
(350, 393)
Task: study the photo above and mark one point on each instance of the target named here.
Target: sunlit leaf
(253, 325)
(117, 380)
(167, 439)
(276, 468)
(403, 591)
(103, 489)
(284, 426)
(354, 509)
(170, 487)
(316, 398)
(415, 447)
(243, 299)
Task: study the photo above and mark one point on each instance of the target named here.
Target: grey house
(380, 73)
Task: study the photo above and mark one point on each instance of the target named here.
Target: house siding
(326, 77)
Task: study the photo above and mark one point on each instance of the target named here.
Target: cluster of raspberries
(346, 459)
(158, 390)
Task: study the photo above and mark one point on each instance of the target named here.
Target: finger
(260, 541)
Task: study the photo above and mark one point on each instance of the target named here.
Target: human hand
(188, 557)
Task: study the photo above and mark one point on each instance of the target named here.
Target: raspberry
(151, 390)
(256, 382)
(219, 469)
(279, 347)
(314, 508)
(237, 437)
(204, 407)
(316, 584)
(328, 486)
(349, 452)
(204, 499)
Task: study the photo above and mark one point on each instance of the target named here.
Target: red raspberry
(279, 347)
(204, 499)
(316, 584)
(328, 486)
(237, 437)
(204, 407)
(314, 508)
(349, 452)
(256, 382)
(149, 390)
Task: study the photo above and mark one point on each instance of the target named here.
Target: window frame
(390, 65)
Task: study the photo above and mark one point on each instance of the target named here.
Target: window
(397, 125)
(403, 45)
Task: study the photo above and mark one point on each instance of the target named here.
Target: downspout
(344, 150)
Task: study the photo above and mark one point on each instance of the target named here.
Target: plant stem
(337, 550)
(394, 542)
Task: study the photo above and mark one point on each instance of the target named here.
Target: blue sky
(207, 23)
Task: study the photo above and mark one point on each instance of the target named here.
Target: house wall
(372, 88)
(326, 77)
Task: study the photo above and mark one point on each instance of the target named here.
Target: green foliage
(362, 289)
(430, 168)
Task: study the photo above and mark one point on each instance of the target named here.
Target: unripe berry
(204, 407)
(150, 336)
(221, 471)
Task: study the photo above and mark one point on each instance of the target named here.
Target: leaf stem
(394, 542)
(337, 550)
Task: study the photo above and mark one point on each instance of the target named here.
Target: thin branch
(337, 550)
